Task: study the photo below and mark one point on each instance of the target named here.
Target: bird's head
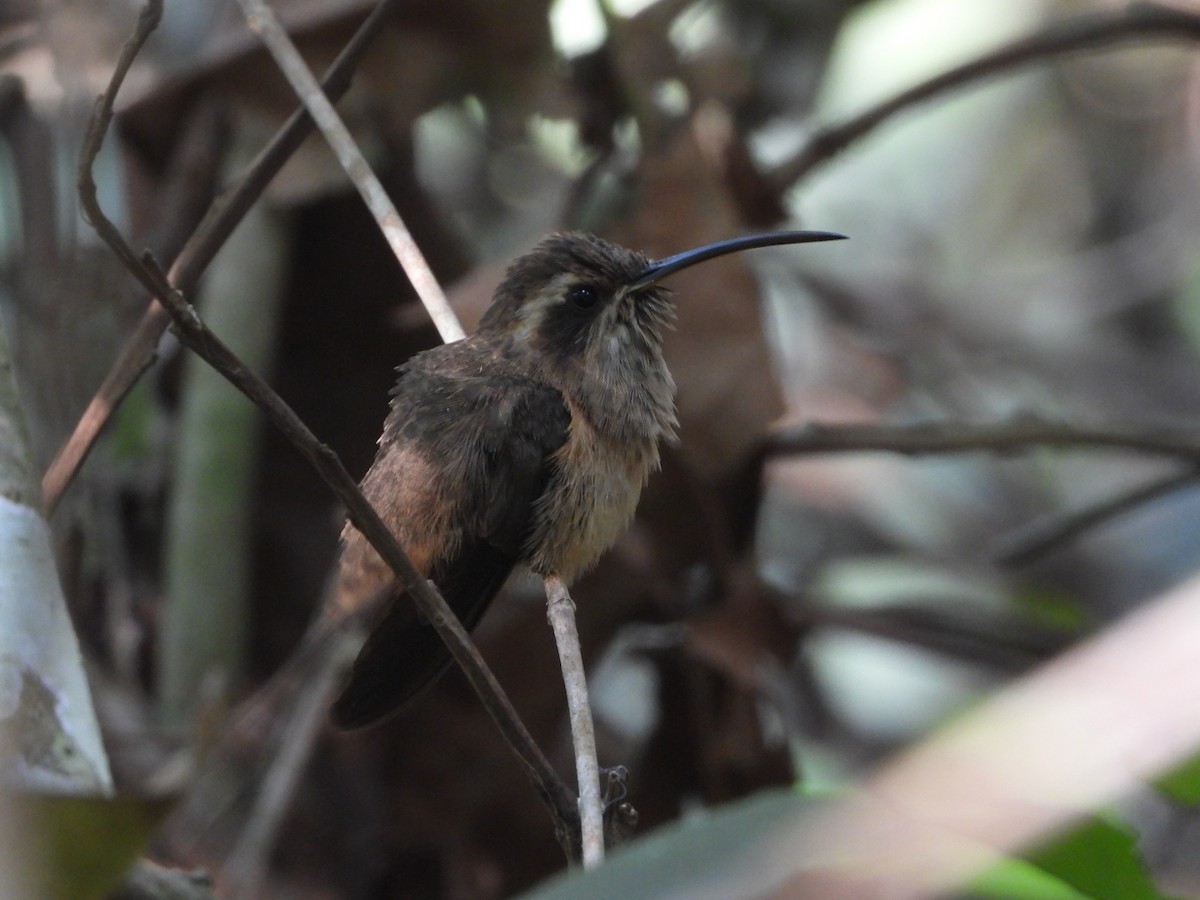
(576, 299)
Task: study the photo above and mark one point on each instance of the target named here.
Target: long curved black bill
(660, 269)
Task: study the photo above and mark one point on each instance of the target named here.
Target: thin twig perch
(560, 610)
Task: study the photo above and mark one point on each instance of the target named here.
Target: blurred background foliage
(1020, 246)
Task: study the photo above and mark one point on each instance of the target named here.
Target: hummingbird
(527, 443)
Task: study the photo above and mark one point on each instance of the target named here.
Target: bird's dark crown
(569, 302)
(562, 262)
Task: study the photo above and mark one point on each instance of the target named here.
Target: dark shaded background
(1020, 247)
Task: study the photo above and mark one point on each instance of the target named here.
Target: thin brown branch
(137, 355)
(1030, 543)
(194, 335)
(560, 610)
(1019, 433)
(1143, 21)
(262, 21)
(102, 114)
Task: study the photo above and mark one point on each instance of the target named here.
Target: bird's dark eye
(583, 296)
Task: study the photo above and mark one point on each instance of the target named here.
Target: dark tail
(404, 654)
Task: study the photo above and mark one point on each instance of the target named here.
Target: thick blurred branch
(193, 334)
(204, 625)
(28, 137)
(1139, 21)
(210, 235)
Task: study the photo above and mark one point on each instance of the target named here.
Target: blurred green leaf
(699, 855)
(1183, 783)
(85, 845)
(706, 856)
(1052, 609)
(131, 430)
(1101, 859)
(1018, 879)
(1098, 860)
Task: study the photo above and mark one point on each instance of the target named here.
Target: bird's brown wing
(494, 437)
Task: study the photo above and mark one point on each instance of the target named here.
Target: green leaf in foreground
(1017, 879)
(1183, 783)
(84, 845)
(699, 857)
(1097, 860)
